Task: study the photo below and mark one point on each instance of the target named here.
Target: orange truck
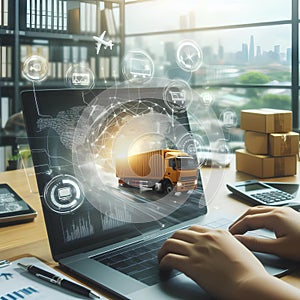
(162, 170)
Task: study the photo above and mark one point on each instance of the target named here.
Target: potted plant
(13, 162)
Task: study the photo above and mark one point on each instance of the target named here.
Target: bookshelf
(60, 31)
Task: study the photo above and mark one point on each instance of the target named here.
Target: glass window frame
(294, 22)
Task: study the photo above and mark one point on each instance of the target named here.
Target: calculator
(260, 193)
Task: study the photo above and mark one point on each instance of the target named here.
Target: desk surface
(31, 238)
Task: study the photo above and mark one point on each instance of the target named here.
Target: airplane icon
(100, 41)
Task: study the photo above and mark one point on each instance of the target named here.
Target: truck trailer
(162, 170)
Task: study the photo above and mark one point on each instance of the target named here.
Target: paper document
(16, 283)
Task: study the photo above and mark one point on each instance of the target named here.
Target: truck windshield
(185, 163)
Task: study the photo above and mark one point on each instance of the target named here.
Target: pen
(64, 283)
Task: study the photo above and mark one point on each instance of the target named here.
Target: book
(5, 110)
(110, 22)
(5, 14)
(82, 19)
(3, 60)
(44, 14)
(49, 15)
(65, 16)
(9, 62)
(74, 21)
(1, 10)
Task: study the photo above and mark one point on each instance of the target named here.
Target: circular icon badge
(80, 76)
(178, 95)
(137, 67)
(221, 155)
(35, 68)
(228, 118)
(63, 194)
(206, 98)
(189, 56)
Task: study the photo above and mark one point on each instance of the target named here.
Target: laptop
(107, 208)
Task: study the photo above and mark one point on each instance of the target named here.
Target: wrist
(266, 287)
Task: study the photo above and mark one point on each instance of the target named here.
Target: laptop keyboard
(139, 260)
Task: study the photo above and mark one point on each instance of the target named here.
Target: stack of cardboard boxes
(271, 148)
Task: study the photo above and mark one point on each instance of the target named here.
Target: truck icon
(139, 68)
(162, 170)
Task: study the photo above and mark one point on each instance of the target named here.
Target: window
(248, 49)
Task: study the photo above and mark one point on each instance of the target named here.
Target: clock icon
(189, 56)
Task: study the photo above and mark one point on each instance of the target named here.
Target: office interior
(247, 55)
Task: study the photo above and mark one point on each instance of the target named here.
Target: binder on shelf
(38, 14)
(82, 18)
(33, 14)
(74, 21)
(66, 59)
(5, 14)
(44, 15)
(1, 10)
(60, 15)
(110, 22)
(115, 67)
(75, 54)
(5, 110)
(9, 62)
(65, 16)
(104, 67)
(3, 61)
(49, 14)
(55, 15)
(28, 15)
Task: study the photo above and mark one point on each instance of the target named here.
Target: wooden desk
(31, 238)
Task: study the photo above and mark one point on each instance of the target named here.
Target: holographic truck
(162, 170)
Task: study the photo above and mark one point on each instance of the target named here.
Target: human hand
(283, 221)
(214, 259)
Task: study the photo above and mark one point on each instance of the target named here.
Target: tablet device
(13, 209)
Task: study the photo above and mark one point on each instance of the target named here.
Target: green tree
(270, 101)
(253, 78)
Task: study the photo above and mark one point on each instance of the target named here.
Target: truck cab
(181, 171)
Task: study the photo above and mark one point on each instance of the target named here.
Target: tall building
(251, 49)
(277, 52)
(245, 53)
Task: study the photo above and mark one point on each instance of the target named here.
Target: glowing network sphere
(123, 121)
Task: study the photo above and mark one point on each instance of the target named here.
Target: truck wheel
(168, 187)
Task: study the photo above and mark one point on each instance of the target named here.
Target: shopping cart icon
(177, 96)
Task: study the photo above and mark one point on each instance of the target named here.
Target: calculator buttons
(272, 197)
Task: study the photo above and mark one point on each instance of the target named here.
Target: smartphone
(13, 209)
(262, 193)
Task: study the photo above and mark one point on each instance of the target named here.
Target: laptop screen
(111, 164)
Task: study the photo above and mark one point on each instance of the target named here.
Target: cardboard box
(265, 166)
(283, 144)
(266, 120)
(256, 142)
